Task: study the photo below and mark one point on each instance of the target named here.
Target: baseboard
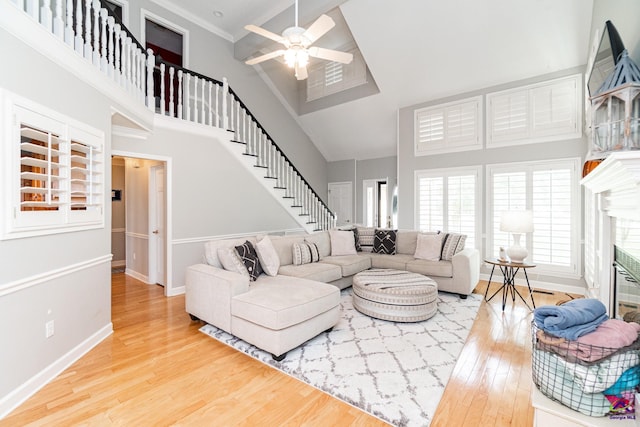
(540, 285)
(175, 291)
(137, 275)
(120, 263)
(29, 388)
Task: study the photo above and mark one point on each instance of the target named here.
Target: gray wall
(118, 215)
(78, 299)
(356, 171)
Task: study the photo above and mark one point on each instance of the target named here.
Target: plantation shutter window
(541, 112)
(55, 172)
(447, 200)
(550, 190)
(326, 78)
(451, 127)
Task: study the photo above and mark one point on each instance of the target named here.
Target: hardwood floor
(157, 369)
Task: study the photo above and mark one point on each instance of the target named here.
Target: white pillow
(342, 243)
(268, 256)
(231, 261)
(429, 247)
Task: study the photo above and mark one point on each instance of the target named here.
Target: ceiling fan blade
(301, 72)
(265, 57)
(264, 33)
(330, 55)
(319, 28)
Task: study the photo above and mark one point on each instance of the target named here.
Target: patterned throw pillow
(452, 244)
(384, 242)
(305, 253)
(365, 238)
(249, 258)
(230, 261)
(356, 238)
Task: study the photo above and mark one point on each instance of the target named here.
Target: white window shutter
(450, 127)
(541, 112)
(430, 203)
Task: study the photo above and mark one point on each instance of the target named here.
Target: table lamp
(516, 223)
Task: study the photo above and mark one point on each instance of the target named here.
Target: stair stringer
(249, 163)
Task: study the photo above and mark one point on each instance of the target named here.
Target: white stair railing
(173, 91)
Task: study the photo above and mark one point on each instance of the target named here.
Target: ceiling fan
(297, 42)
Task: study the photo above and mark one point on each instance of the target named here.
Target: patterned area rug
(394, 371)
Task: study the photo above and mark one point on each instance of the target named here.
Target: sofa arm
(209, 291)
(466, 270)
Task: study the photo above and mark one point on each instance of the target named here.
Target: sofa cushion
(321, 239)
(398, 261)
(431, 268)
(406, 241)
(280, 302)
(304, 253)
(249, 258)
(283, 248)
(365, 238)
(429, 247)
(268, 256)
(211, 249)
(231, 261)
(316, 271)
(350, 264)
(384, 242)
(452, 244)
(342, 242)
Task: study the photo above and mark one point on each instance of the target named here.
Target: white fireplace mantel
(617, 179)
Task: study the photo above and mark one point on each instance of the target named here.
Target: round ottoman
(395, 295)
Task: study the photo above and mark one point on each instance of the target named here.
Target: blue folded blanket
(571, 320)
(627, 382)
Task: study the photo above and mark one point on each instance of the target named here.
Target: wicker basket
(583, 377)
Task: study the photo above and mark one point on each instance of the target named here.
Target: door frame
(153, 241)
(168, 288)
(146, 14)
(375, 190)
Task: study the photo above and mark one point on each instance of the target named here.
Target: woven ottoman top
(389, 281)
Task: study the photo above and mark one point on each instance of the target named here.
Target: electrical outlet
(49, 328)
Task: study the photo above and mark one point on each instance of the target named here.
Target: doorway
(375, 203)
(144, 201)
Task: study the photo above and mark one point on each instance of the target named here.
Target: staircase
(169, 90)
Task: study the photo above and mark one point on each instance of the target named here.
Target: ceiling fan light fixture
(297, 56)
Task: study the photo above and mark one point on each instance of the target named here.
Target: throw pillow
(249, 258)
(384, 242)
(269, 260)
(305, 253)
(429, 247)
(365, 238)
(231, 261)
(453, 243)
(342, 243)
(356, 237)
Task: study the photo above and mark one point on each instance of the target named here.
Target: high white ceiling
(418, 51)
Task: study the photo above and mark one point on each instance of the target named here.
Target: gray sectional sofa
(279, 312)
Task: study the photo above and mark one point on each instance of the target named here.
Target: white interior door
(341, 201)
(157, 235)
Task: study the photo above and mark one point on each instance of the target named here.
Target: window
(54, 179)
(449, 200)
(328, 77)
(456, 126)
(551, 190)
(536, 113)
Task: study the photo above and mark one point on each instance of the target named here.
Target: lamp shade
(517, 221)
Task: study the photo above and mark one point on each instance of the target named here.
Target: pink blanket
(609, 337)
